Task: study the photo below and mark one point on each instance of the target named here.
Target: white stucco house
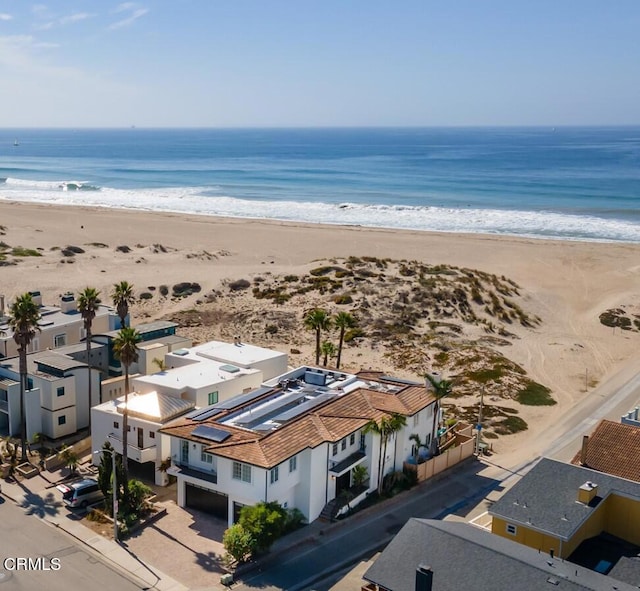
(147, 414)
(295, 440)
(195, 377)
(59, 325)
(56, 400)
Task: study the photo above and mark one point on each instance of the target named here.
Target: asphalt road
(74, 568)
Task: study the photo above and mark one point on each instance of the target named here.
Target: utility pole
(479, 425)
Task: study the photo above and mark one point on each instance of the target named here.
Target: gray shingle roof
(546, 498)
(465, 557)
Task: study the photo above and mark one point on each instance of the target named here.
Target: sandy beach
(566, 284)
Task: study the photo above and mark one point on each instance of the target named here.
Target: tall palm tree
(124, 348)
(23, 320)
(328, 349)
(343, 321)
(441, 388)
(88, 304)
(386, 428)
(122, 298)
(317, 319)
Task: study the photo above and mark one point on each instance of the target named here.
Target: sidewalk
(38, 496)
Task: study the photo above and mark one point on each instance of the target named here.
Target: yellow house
(557, 506)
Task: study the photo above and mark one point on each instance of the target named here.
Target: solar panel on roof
(303, 407)
(207, 413)
(211, 433)
(242, 399)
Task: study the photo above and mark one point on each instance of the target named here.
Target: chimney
(587, 492)
(68, 303)
(36, 296)
(435, 376)
(583, 451)
(424, 578)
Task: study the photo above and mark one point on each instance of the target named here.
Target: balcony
(192, 472)
(4, 406)
(137, 454)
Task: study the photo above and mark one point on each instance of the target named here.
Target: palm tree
(88, 304)
(328, 349)
(343, 321)
(386, 428)
(122, 297)
(23, 320)
(317, 319)
(418, 443)
(159, 363)
(441, 388)
(124, 348)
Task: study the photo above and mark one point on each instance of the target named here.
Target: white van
(81, 493)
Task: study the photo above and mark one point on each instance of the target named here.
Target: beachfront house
(60, 325)
(56, 403)
(194, 377)
(296, 440)
(572, 511)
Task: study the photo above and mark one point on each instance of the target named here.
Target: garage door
(208, 501)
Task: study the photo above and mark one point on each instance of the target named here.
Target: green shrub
(535, 394)
(145, 295)
(343, 299)
(238, 542)
(164, 290)
(19, 251)
(239, 285)
(264, 522)
(291, 278)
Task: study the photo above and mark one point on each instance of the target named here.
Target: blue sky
(237, 63)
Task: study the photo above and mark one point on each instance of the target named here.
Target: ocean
(562, 183)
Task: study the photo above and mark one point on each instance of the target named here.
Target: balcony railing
(138, 454)
(183, 469)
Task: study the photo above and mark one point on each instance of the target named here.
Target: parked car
(81, 493)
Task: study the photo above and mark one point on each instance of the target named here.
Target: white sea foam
(438, 219)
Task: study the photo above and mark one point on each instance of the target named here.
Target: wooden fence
(459, 447)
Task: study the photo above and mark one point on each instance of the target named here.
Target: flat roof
(242, 354)
(53, 317)
(194, 375)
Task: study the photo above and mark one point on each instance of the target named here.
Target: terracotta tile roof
(613, 448)
(328, 423)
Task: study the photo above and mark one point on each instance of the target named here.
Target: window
(274, 474)
(213, 397)
(343, 444)
(60, 391)
(362, 442)
(334, 451)
(62, 420)
(116, 425)
(416, 419)
(352, 438)
(205, 457)
(512, 529)
(293, 464)
(152, 434)
(241, 471)
(60, 340)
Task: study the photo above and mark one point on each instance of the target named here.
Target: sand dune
(567, 284)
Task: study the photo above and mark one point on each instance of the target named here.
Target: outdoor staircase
(331, 510)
